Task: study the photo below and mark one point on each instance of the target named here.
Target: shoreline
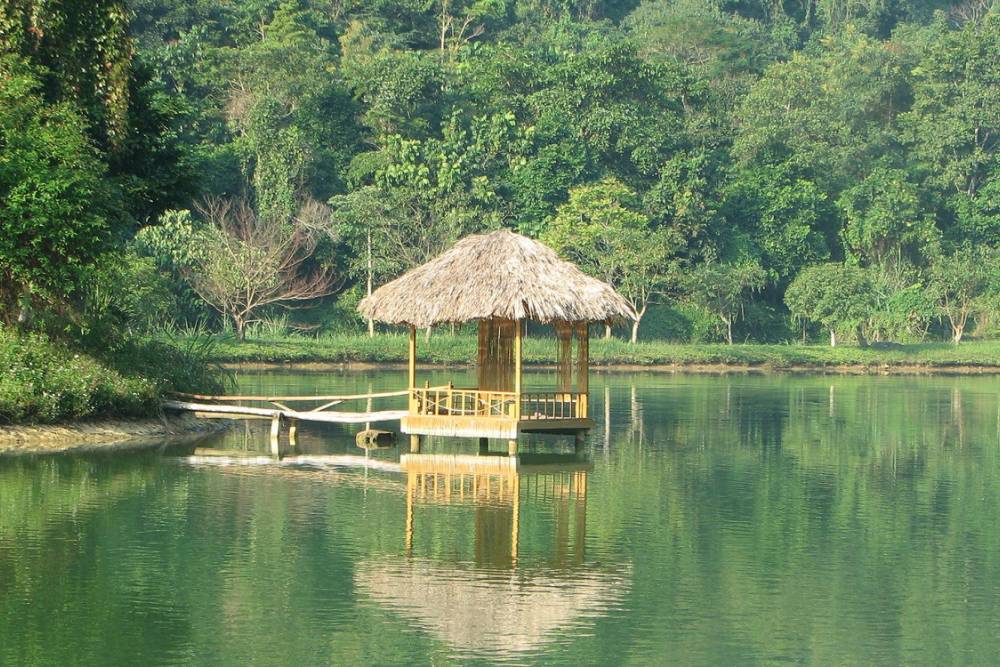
(677, 369)
(105, 435)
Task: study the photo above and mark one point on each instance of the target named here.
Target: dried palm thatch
(497, 275)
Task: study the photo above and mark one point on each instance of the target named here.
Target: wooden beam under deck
(460, 426)
(501, 428)
(554, 426)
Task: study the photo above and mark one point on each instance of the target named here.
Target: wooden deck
(475, 413)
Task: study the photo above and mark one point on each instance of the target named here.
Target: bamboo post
(275, 431)
(517, 369)
(583, 368)
(412, 370)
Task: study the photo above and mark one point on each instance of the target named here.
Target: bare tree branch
(250, 262)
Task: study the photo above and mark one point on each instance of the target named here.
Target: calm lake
(706, 521)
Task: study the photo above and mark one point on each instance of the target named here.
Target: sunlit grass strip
(461, 349)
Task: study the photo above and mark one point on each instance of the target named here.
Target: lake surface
(706, 521)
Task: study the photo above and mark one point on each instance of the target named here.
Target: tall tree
(723, 288)
(961, 282)
(601, 229)
(246, 262)
(954, 124)
(837, 296)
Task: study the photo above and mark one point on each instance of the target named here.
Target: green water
(724, 520)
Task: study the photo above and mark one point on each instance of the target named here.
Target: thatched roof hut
(500, 280)
(500, 275)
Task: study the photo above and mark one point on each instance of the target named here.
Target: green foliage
(123, 295)
(827, 112)
(45, 381)
(903, 314)
(678, 321)
(955, 119)
(705, 36)
(644, 139)
(884, 218)
(964, 283)
(723, 289)
(601, 231)
(57, 212)
(785, 219)
(837, 296)
(83, 51)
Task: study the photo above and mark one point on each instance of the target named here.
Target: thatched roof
(500, 274)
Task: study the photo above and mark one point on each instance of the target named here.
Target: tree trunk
(427, 333)
(639, 313)
(729, 330)
(371, 322)
(15, 305)
(862, 341)
(24, 312)
(241, 333)
(607, 331)
(957, 330)
(833, 338)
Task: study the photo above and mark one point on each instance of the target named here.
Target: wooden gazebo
(501, 280)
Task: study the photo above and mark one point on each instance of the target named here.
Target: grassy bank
(44, 381)
(461, 349)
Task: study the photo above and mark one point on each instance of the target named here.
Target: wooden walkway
(327, 416)
(227, 407)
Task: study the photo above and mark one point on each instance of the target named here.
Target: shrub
(45, 381)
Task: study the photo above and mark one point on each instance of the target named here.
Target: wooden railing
(440, 401)
(463, 402)
(553, 405)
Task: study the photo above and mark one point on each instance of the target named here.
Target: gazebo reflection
(498, 594)
(493, 488)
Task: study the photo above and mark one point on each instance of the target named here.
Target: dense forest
(739, 169)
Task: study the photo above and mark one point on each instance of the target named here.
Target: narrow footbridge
(231, 407)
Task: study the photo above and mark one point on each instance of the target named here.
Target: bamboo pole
(583, 368)
(273, 399)
(275, 431)
(412, 369)
(517, 369)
